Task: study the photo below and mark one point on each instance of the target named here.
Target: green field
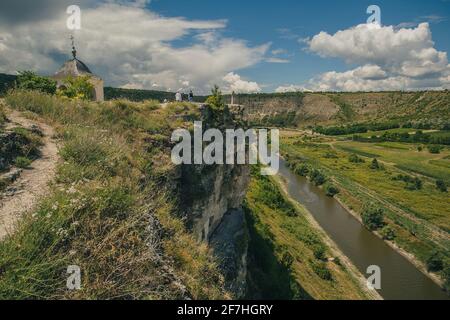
(404, 156)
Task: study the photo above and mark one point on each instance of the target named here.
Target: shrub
(388, 233)
(317, 177)
(441, 185)
(373, 217)
(434, 149)
(22, 162)
(374, 165)
(301, 170)
(331, 155)
(216, 100)
(331, 190)
(355, 159)
(435, 262)
(320, 268)
(319, 252)
(77, 88)
(28, 80)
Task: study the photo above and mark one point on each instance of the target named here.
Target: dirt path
(32, 184)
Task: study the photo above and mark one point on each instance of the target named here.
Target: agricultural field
(403, 156)
(420, 215)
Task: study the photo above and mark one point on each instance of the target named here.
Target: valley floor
(419, 217)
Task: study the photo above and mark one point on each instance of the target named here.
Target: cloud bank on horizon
(388, 59)
(131, 46)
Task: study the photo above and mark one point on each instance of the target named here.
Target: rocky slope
(336, 108)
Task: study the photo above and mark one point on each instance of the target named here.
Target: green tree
(301, 170)
(215, 100)
(434, 149)
(435, 262)
(28, 80)
(317, 177)
(375, 165)
(373, 217)
(441, 185)
(331, 190)
(77, 88)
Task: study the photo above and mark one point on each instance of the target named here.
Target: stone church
(76, 68)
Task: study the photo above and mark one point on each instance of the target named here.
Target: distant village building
(76, 68)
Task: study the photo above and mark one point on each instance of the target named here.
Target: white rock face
(212, 197)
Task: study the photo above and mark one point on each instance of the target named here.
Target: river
(400, 279)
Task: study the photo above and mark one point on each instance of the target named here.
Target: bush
(22, 162)
(320, 268)
(319, 252)
(355, 159)
(216, 100)
(435, 262)
(373, 217)
(317, 177)
(441, 185)
(331, 190)
(388, 233)
(434, 149)
(301, 170)
(374, 165)
(28, 80)
(77, 88)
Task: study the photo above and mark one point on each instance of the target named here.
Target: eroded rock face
(209, 192)
(230, 243)
(212, 197)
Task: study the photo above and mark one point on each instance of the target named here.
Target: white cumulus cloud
(390, 58)
(130, 46)
(233, 82)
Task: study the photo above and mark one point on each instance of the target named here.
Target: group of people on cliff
(179, 96)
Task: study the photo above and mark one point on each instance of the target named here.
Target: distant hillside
(431, 107)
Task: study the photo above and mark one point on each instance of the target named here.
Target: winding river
(400, 279)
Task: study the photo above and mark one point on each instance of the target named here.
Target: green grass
(108, 210)
(288, 256)
(404, 156)
(22, 162)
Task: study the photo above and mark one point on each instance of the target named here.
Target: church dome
(73, 68)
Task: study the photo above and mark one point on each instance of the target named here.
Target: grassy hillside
(112, 209)
(289, 256)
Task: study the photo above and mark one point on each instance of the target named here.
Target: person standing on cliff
(178, 97)
(191, 96)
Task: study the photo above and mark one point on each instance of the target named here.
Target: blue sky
(283, 22)
(245, 46)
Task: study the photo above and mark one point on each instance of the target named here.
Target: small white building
(76, 68)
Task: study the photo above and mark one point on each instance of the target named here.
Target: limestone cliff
(212, 197)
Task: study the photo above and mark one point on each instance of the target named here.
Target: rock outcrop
(212, 197)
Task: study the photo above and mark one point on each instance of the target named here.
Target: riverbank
(353, 271)
(409, 256)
